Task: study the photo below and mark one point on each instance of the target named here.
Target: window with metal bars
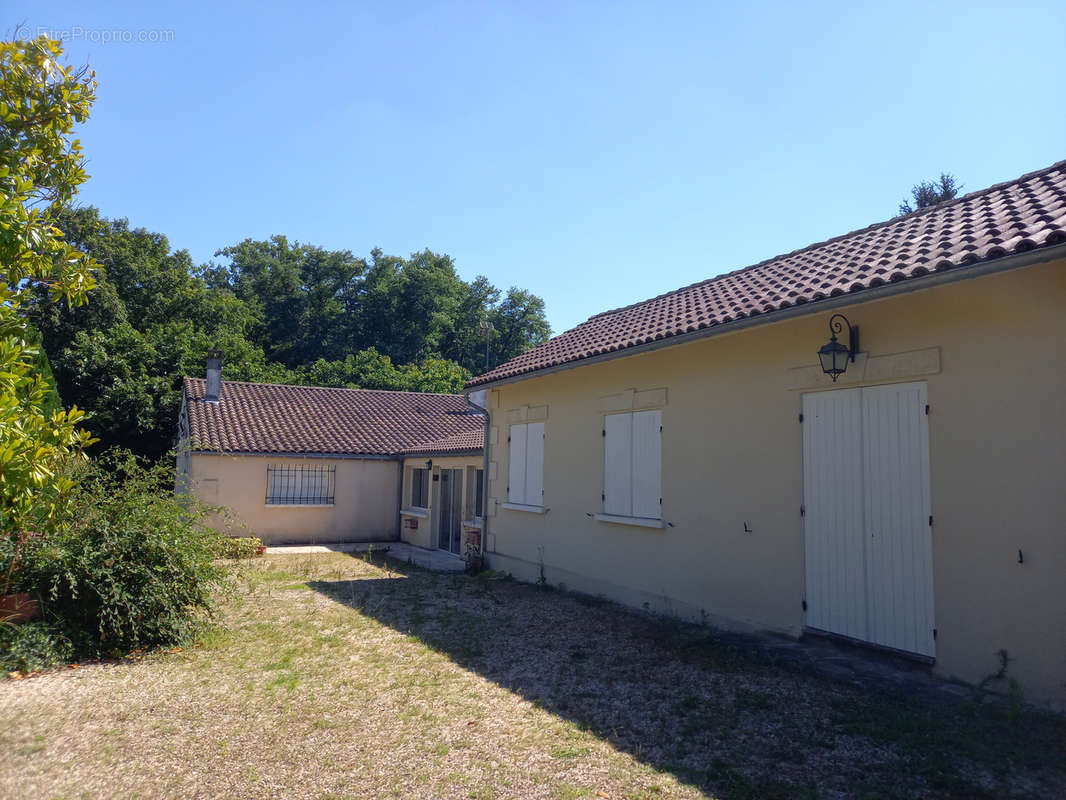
(300, 485)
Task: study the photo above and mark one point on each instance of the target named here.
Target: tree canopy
(279, 311)
(929, 193)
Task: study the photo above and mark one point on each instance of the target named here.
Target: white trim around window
(639, 522)
(523, 507)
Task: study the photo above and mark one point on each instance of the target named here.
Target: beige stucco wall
(366, 493)
(422, 531)
(993, 352)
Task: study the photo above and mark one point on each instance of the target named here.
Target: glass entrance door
(449, 526)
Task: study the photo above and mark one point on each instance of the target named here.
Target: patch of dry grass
(336, 678)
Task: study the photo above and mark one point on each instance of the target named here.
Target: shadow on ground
(732, 723)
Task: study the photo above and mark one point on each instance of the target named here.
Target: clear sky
(595, 153)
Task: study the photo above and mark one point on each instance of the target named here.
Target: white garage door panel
(898, 541)
(867, 539)
(832, 450)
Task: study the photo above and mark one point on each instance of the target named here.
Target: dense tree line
(279, 311)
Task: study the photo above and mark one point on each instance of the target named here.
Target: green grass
(565, 791)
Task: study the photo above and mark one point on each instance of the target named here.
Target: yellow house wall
(366, 493)
(732, 454)
(422, 532)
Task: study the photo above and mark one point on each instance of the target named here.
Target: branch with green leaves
(41, 167)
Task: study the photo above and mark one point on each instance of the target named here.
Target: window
(632, 469)
(474, 496)
(525, 479)
(420, 488)
(300, 485)
(479, 493)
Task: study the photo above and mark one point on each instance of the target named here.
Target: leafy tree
(280, 312)
(465, 342)
(436, 374)
(297, 291)
(929, 193)
(406, 308)
(369, 369)
(40, 170)
(316, 304)
(43, 367)
(152, 320)
(520, 324)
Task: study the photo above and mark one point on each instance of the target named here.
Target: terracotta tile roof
(268, 418)
(1013, 217)
(466, 442)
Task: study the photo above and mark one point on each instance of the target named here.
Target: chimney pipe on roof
(214, 376)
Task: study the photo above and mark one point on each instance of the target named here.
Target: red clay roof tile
(469, 441)
(270, 418)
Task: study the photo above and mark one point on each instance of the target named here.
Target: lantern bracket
(837, 326)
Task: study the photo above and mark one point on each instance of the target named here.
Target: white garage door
(867, 534)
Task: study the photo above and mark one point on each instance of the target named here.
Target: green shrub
(238, 546)
(134, 565)
(33, 646)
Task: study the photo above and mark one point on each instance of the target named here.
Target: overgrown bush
(133, 565)
(238, 546)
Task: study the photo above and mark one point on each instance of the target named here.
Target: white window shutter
(516, 476)
(647, 464)
(535, 463)
(618, 464)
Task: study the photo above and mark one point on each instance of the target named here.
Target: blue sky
(594, 153)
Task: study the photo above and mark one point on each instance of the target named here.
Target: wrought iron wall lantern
(835, 356)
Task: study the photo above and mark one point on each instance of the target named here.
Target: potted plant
(18, 607)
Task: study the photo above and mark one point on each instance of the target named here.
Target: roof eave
(966, 272)
(442, 453)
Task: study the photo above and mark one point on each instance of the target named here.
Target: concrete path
(436, 560)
